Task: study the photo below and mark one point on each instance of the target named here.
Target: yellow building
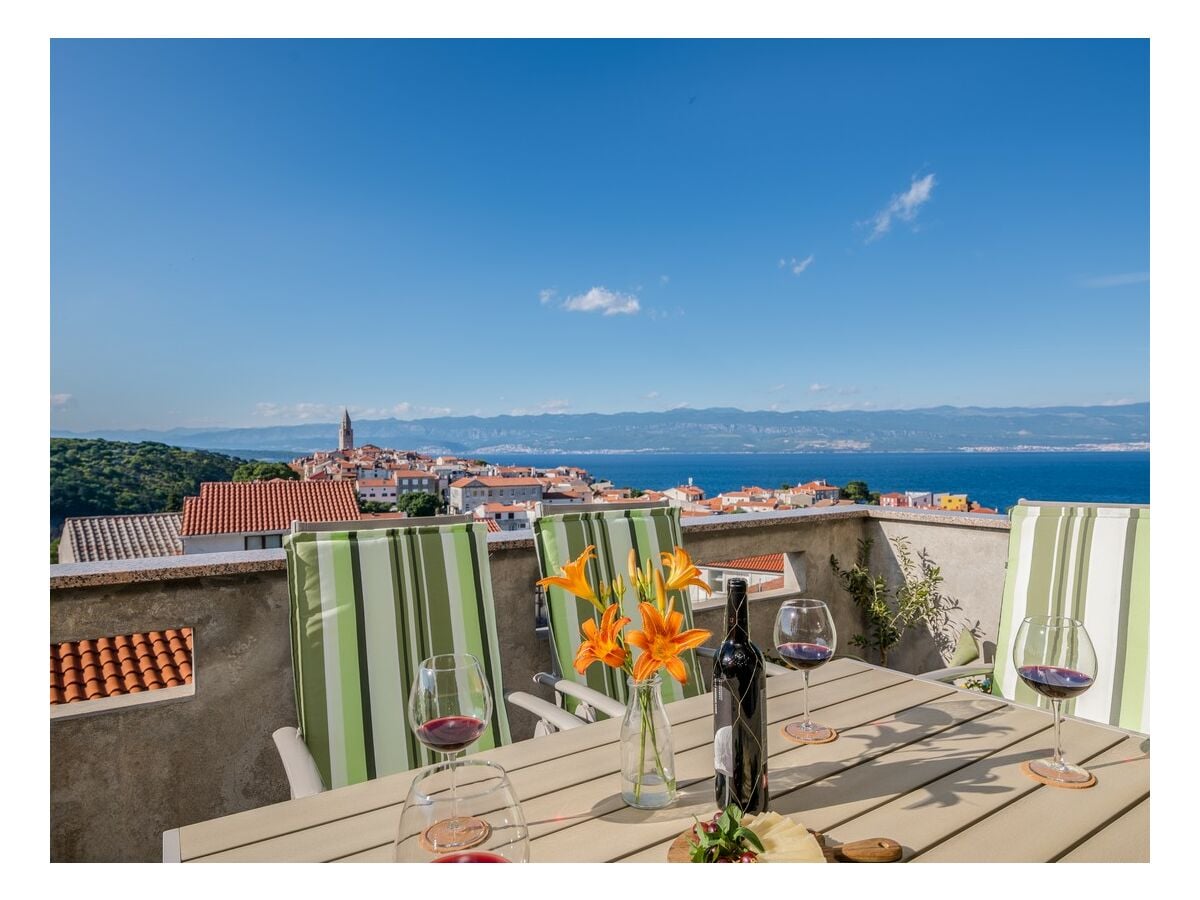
(953, 501)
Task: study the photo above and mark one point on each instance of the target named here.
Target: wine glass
(474, 789)
(1054, 656)
(805, 637)
(449, 707)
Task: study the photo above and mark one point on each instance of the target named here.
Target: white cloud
(600, 299)
(62, 401)
(545, 295)
(331, 412)
(1103, 281)
(775, 388)
(650, 395)
(816, 387)
(798, 265)
(664, 279)
(552, 407)
(902, 206)
(683, 405)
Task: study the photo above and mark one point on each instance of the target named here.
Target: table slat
(1125, 840)
(941, 809)
(1122, 779)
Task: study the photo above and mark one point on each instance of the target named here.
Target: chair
(366, 607)
(650, 531)
(1090, 562)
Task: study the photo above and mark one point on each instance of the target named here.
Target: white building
(472, 490)
(509, 516)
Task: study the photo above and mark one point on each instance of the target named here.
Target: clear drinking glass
(475, 790)
(449, 708)
(1055, 657)
(805, 638)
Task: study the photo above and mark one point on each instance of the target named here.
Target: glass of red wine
(1054, 656)
(805, 638)
(449, 707)
(473, 790)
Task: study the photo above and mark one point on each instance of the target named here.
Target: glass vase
(647, 756)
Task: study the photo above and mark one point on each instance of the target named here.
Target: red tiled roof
(493, 526)
(770, 562)
(226, 507)
(126, 664)
(376, 482)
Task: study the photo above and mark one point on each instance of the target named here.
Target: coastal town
(508, 498)
(368, 483)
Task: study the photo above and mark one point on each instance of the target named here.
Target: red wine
(739, 711)
(470, 856)
(805, 656)
(450, 734)
(1055, 682)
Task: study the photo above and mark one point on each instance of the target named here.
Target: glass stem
(453, 790)
(806, 717)
(1058, 757)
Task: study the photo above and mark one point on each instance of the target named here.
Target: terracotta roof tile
(226, 507)
(95, 538)
(125, 664)
(770, 562)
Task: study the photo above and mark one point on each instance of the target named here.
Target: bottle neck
(737, 614)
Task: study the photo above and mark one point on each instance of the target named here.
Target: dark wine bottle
(739, 710)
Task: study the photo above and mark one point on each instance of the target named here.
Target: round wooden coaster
(1069, 785)
(428, 846)
(833, 736)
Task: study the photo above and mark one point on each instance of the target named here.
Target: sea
(996, 480)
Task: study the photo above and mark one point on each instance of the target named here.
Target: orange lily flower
(661, 642)
(683, 572)
(602, 644)
(573, 578)
(660, 592)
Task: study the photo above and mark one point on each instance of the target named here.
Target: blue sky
(249, 232)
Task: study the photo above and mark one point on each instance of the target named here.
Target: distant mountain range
(713, 430)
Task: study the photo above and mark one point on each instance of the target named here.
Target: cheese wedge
(783, 840)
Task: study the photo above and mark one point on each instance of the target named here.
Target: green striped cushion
(560, 539)
(366, 608)
(1090, 563)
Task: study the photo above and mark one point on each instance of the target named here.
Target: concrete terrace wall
(120, 778)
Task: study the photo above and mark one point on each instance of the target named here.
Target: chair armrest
(543, 709)
(303, 778)
(769, 667)
(607, 705)
(956, 672)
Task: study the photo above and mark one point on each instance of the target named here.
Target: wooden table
(934, 767)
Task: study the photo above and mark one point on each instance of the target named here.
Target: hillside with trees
(97, 477)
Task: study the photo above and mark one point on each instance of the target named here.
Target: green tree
(785, 486)
(857, 491)
(634, 493)
(92, 477)
(54, 551)
(419, 503)
(265, 471)
(371, 506)
(888, 613)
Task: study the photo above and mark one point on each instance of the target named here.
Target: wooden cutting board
(873, 850)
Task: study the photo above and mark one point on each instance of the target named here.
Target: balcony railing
(122, 774)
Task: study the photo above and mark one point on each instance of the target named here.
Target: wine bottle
(739, 710)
